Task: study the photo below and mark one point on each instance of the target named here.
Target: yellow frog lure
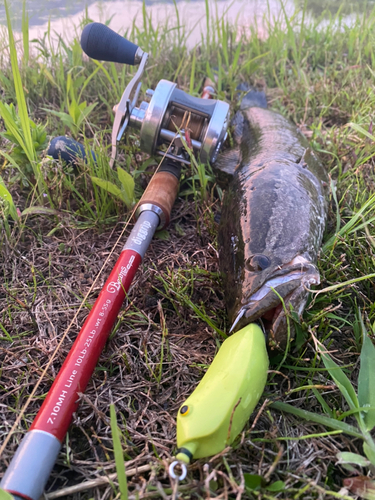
(216, 412)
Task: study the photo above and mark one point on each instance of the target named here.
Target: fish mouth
(286, 290)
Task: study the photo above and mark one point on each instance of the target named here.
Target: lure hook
(172, 473)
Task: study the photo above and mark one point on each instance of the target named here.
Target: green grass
(317, 72)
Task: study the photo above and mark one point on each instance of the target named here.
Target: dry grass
(42, 289)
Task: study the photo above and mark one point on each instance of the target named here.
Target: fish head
(272, 290)
(272, 225)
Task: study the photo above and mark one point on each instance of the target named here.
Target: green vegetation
(58, 224)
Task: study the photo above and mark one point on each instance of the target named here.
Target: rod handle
(160, 196)
(103, 44)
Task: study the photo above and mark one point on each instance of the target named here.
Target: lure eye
(184, 410)
(257, 262)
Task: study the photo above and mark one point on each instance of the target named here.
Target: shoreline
(191, 17)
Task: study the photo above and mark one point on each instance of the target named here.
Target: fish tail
(253, 98)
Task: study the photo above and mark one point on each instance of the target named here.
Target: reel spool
(159, 120)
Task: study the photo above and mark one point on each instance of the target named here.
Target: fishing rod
(168, 121)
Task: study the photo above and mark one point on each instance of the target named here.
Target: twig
(265, 403)
(231, 420)
(275, 462)
(100, 481)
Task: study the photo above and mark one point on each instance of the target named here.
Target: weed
(22, 134)
(125, 193)
(119, 458)
(361, 406)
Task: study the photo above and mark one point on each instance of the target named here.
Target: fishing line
(186, 118)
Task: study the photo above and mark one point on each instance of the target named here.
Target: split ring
(172, 472)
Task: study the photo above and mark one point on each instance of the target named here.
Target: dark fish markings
(275, 208)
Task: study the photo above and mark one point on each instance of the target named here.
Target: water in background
(64, 15)
(40, 11)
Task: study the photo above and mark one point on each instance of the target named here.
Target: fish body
(272, 222)
(272, 219)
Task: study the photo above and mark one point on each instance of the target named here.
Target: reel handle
(101, 43)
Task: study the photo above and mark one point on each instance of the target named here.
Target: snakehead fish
(272, 220)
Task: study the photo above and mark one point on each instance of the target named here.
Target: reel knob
(101, 43)
(69, 150)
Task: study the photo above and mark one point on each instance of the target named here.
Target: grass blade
(12, 127)
(21, 101)
(369, 449)
(119, 457)
(318, 419)
(350, 226)
(25, 34)
(318, 396)
(346, 457)
(341, 380)
(5, 194)
(110, 187)
(192, 74)
(127, 182)
(361, 130)
(366, 378)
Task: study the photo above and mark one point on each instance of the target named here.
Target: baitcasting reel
(170, 115)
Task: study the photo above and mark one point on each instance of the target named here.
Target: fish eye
(184, 410)
(257, 262)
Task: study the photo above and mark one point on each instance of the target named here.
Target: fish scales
(272, 221)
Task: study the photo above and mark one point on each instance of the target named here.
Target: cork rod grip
(162, 192)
